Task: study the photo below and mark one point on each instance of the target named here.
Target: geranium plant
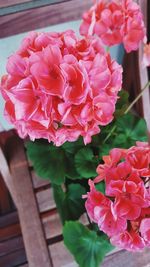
(65, 94)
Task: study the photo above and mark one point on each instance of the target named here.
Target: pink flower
(115, 22)
(124, 213)
(139, 158)
(94, 199)
(108, 221)
(129, 240)
(146, 56)
(46, 71)
(60, 88)
(101, 211)
(145, 230)
(110, 161)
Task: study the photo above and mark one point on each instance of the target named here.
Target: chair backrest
(18, 180)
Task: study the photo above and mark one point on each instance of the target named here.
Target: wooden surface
(33, 233)
(5, 3)
(42, 17)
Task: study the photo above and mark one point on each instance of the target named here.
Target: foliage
(86, 246)
(70, 203)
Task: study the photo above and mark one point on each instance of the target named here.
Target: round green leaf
(70, 204)
(86, 246)
(48, 161)
(86, 163)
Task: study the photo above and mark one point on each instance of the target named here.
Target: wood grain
(5, 202)
(60, 255)
(10, 232)
(9, 219)
(38, 182)
(5, 3)
(45, 200)
(13, 259)
(32, 230)
(11, 245)
(42, 17)
(130, 259)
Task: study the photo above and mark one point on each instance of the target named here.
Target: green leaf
(70, 204)
(87, 247)
(122, 103)
(86, 163)
(130, 129)
(71, 171)
(100, 187)
(48, 161)
(73, 147)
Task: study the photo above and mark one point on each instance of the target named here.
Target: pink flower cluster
(124, 213)
(115, 22)
(59, 87)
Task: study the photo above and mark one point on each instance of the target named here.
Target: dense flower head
(115, 22)
(59, 87)
(123, 213)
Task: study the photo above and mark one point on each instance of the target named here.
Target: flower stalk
(128, 109)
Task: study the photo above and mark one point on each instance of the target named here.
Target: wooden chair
(18, 180)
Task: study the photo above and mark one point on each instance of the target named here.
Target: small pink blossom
(94, 199)
(115, 22)
(139, 159)
(110, 161)
(59, 87)
(129, 240)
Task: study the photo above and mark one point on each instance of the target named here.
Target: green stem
(110, 133)
(127, 110)
(137, 98)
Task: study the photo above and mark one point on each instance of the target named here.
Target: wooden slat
(13, 259)
(5, 202)
(42, 17)
(52, 226)
(11, 245)
(32, 230)
(38, 182)
(9, 232)
(29, 5)
(5, 3)
(45, 200)
(9, 219)
(125, 258)
(5, 172)
(61, 256)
